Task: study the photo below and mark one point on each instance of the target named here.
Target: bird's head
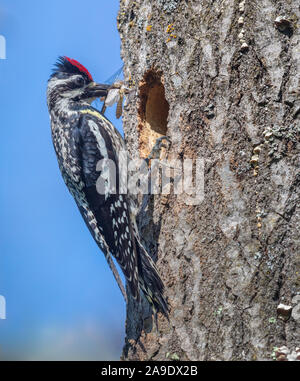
(72, 81)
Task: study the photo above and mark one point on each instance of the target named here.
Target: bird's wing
(106, 214)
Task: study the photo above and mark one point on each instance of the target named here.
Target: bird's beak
(96, 90)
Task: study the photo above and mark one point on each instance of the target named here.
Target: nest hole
(153, 111)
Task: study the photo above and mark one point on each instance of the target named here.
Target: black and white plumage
(82, 136)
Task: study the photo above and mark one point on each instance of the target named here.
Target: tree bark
(221, 79)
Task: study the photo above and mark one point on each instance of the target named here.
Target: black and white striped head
(72, 81)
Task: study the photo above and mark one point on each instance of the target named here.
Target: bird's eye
(79, 81)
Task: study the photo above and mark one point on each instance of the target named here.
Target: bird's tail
(150, 282)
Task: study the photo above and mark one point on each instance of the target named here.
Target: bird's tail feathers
(150, 282)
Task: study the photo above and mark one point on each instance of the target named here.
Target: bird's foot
(159, 144)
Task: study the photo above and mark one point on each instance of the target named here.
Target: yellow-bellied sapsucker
(82, 136)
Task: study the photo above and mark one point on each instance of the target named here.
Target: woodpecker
(82, 136)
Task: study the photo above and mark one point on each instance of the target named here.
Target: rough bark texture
(221, 79)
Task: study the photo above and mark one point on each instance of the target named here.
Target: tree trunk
(221, 79)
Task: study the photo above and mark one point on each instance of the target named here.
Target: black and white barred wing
(106, 213)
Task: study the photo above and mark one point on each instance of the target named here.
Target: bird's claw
(155, 152)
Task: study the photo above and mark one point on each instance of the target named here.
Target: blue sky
(62, 301)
